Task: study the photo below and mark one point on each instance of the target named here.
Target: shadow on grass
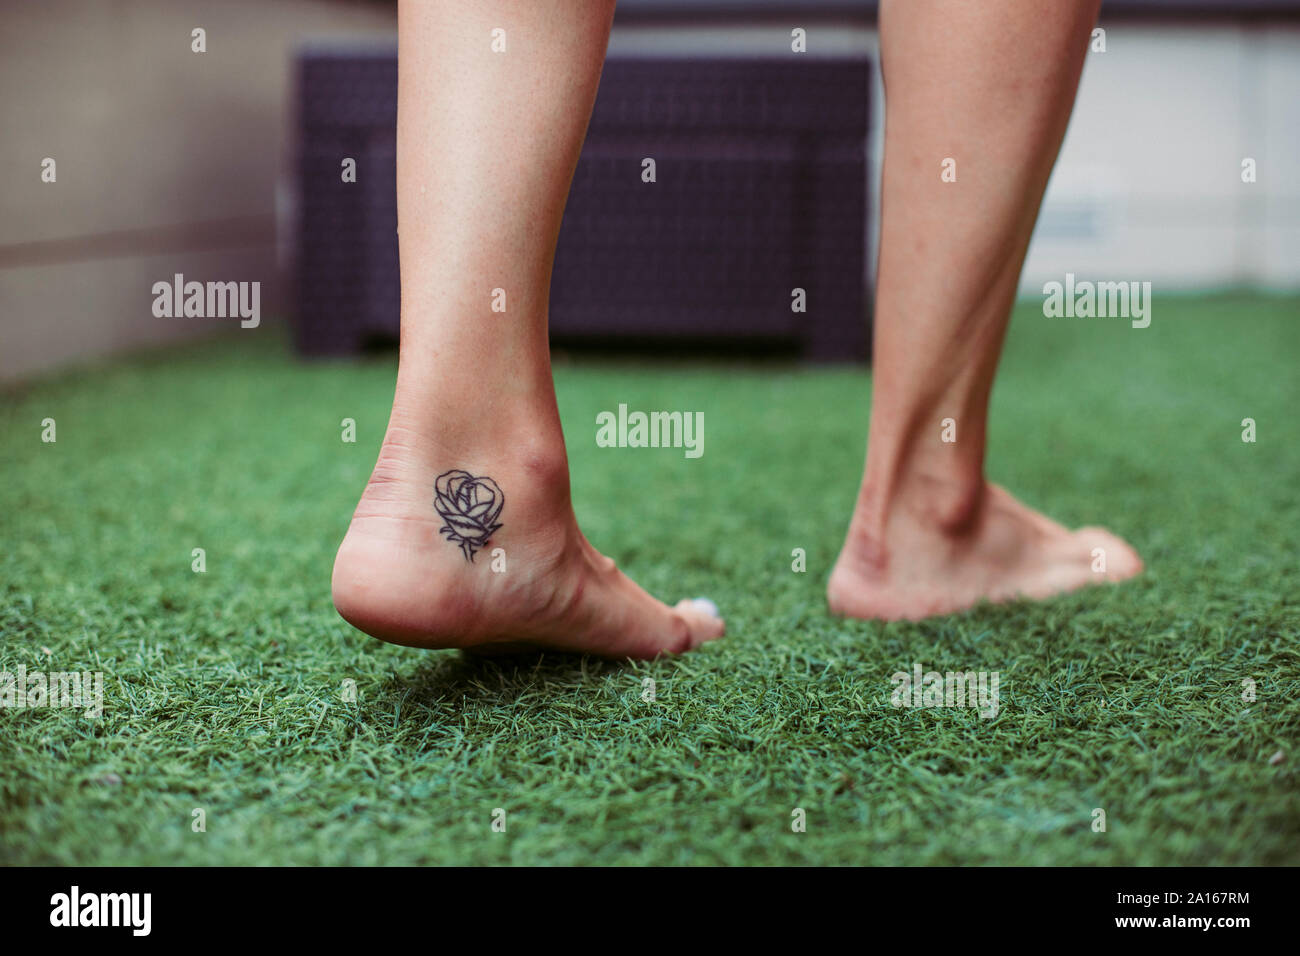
(507, 678)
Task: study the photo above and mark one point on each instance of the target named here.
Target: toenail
(705, 605)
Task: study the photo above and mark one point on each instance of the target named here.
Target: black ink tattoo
(470, 506)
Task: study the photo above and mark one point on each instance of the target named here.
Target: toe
(705, 606)
(701, 616)
(1122, 561)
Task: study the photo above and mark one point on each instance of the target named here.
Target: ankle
(519, 447)
(945, 506)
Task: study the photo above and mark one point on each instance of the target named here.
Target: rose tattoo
(470, 507)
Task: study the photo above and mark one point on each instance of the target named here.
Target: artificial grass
(223, 689)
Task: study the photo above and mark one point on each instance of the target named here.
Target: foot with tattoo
(465, 536)
(456, 547)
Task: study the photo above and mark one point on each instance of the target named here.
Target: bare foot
(997, 550)
(408, 574)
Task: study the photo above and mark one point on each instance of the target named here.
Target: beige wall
(146, 134)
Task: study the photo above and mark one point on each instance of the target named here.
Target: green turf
(223, 689)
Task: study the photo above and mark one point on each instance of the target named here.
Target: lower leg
(487, 142)
(989, 86)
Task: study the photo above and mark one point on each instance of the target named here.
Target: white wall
(1149, 185)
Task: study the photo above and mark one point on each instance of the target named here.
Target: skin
(991, 86)
(487, 145)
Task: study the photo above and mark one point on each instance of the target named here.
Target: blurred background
(225, 166)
